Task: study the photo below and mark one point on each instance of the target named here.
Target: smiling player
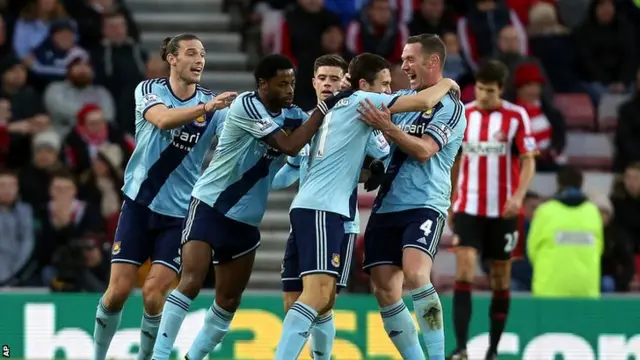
(176, 120)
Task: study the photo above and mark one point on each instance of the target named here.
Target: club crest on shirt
(428, 114)
(335, 260)
(200, 121)
(499, 136)
(115, 249)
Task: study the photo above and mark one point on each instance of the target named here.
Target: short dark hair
(7, 172)
(431, 44)
(330, 60)
(366, 66)
(170, 45)
(569, 177)
(493, 72)
(269, 66)
(63, 174)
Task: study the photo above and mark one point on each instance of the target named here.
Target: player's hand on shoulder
(220, 102)
(374, 117)
(455, 88)
(328, 104)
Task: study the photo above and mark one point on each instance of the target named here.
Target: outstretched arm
(425, 99)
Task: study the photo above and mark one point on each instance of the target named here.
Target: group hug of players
(411, 145)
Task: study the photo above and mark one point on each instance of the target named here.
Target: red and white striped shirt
(490, 163)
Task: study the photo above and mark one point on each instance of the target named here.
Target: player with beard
(230, 198)
(176, 120)
(409, 212)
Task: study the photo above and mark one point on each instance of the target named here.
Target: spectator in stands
(553, 44)
(522, 7)
(626, 202)
(548, 126)
(155, 68)
(510, 53)
(606, 46)
(627, 146)
(332, 43)
(90, 18)
(573, 12)
(102, 183)
(432, 17)
(65, 219)
(455, 67)
(300, 32)
(90, 133)
(565, 242)
(119, 63)
(80, 266)
(48, 61)
(63, 99)
(617, 259)
(479, 31)
(17, 242)
(27, 116)
(399, 78)
(36, 177)
(32, 27)
(377, 31)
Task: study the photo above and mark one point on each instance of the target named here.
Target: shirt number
(426, 227)
(511, 240)
(324, 132)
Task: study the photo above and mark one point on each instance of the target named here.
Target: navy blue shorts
(388, 234)
(291, 280)
(314, 245)
(142, 234)
(229, 239)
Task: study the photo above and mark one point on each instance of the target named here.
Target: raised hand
(220, 102)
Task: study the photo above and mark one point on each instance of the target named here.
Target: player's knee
(319, 292)
(465, 264)
(117, 294)
(416, 278)
(500, 275)
(190, 284)
(229, 302)
(153, 295)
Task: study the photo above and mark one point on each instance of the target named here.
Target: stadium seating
(589, 151)
(608, 111)
(577, 110)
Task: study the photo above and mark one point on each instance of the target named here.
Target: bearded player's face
(280, 88)
(190, 61)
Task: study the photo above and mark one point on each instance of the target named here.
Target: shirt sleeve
(251, 116)
(525, 141)
(378, 99)
(377, 146)
(147, 96)
(218, 119)
(286, 176)
(446, 122)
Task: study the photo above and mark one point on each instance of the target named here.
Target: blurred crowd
(68, 69)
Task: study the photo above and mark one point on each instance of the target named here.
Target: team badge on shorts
(335, 260)
(282, 267)
(115, 250)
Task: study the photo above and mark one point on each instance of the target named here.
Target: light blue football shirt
(335, 158)
(238, 179)
(296, 168)
(165, 164)
(409, 183)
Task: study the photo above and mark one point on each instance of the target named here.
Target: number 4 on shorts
(426, 227)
